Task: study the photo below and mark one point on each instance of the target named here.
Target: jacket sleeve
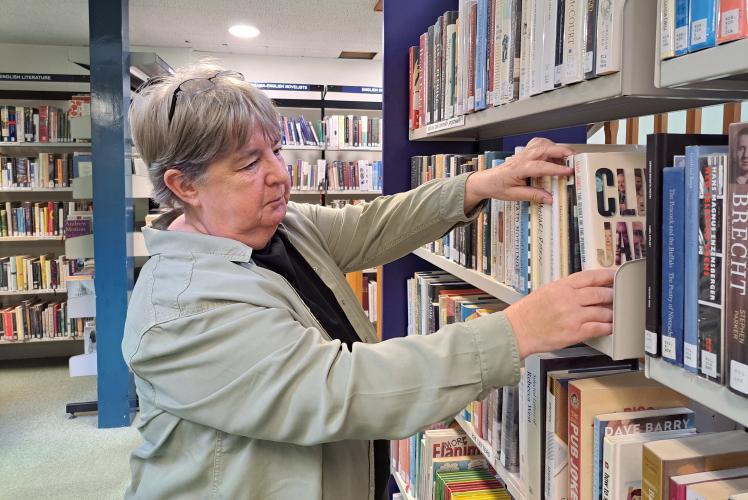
(295, 386)
(371, 234)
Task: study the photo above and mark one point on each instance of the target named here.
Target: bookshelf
(401, 485)
(30, 239)
(37, 190)
(77, 146)
(46, 291)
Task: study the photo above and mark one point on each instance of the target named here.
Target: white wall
(39, 59)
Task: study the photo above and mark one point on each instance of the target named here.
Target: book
(681, 27)
(702, 24)
(509, 455)
(660, 151)
(575, 17)
(556, 480)
(537, 367)
(558, 70)
(736, 305)
(622, 462)
(611, 227)
(702, 452)
(632, 423)
(549, 44)
(480, 54)
(717, 490)
(673, 201)
(590, 39)
(733, 20)
(609, 36)
(679, 484)
(589, 397)
(694, 213)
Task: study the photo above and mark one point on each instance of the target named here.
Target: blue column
(110, 95)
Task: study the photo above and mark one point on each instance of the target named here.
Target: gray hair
(206, 125)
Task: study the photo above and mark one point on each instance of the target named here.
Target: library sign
(457, 121)
(294, 87)
(354, 90)
(43, 77)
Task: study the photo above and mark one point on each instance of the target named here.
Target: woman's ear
(184, 189)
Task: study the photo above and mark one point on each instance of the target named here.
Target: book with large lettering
(441, 444)
(589, 397)
(611, 199)
(637, 422)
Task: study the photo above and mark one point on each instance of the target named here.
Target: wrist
(514, 316)
(473, 195)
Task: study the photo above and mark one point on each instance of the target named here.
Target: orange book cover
(733, 20)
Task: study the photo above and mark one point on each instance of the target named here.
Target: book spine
(480, 55)
(580, 168)
(552, 453)
(737, 262)
(509, 455)
(472, 40)
(702, 22)
(523, 251)
(691, 262)
(575, 444)
(598, 435)
(499, 50)
(422, 81)
(549, 44)
(653, 261)
(667, 29)
(560, 27)
(574, 47)
(652, 475)
(680, 40)
(733, 20)
(673, 187)
(608, 45)
(590, 39)
(537, 19)
(411, 90)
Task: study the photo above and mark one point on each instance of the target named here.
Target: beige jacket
(242, 393)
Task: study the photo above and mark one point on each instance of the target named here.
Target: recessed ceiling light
(244, 31)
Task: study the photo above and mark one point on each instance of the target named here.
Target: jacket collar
(179, 242)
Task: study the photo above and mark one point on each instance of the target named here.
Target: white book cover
(609, 36)
(556, 223)
(717, 490)
(511, 428)
(549, 44)
(575, 16)
(667, 29)
(536, 46)
(611, 201)
(622, 463)
(502, 9)
(684, 480)
(462, 57)
(526, 55)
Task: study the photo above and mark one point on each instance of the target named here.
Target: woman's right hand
(563, 313)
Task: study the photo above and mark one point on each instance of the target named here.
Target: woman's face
(243, 196)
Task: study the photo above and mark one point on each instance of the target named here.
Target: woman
(257, 370)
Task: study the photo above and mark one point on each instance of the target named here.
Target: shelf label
(739, 376)
(457, 121)
(698, 31)
(690, 354)
(681, 38)
(709, 363)
(650, 342)
(730, 22)
(668, 347)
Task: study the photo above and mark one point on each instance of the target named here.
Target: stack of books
(300, 132)
(38, 320)
(692, 25)
(25, 273)
(34, 124)
(47, 170)
(352, 131)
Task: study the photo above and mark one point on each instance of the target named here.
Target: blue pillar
(110, 95)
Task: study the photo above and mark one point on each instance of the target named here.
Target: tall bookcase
(644, 86)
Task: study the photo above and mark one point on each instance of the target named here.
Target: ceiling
(309, 28)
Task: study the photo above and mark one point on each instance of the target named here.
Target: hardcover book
(609, 36)
(673, 201)
(702, 22)
(681, 27)
(679, 484)
(590, 39)
(733, 20)
(587, 398)
(717, 490)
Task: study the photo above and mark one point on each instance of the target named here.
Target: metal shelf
(41, 341)
(291, 147)
(513, 484)
(30, 238)
(479, 280)
(36, 190)
(631, 92)
(401, 485)
(46, 291)
(68, 145)
(351, 148)
(714, 396)
(352, 192)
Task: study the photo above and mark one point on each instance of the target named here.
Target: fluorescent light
(244, 31)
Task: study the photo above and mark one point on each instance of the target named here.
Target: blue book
(681, 27)
(673, 225)
(633, 422)
(480, 55)
(695, 161)
(702, 24)
(524, 247)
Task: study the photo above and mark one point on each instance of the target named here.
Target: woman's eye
(251, 166)
(278, 151)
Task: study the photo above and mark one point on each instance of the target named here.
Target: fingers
(549, 151)
(594, 295)
(595, 329)
(539, 141)
(542, 168)
(594, 277)
(596, 314)
(527, 193)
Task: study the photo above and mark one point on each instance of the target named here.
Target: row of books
(34, 124)
(24, 272)
(605, 196)
(352, 131)
(299, 132)
(33, 319)
(491, 52)
(46, 218)
(341, 203)
(47, 170)
(363, 175)
(691, 25)
(697, 235)
(369, 300)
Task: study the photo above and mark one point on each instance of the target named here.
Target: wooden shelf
(707, 393)
(36, 190)
(516, 488)
(631, 92)
(401, 485)
(30, 238)
(479, 280)
(46, 291)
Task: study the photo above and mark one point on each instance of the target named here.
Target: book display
(40, 156)
(662, 215)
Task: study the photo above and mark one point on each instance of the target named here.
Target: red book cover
(43, 123)
(733, 20)
(575, 424)
(421, 82)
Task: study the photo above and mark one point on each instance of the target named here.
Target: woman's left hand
(541, 157)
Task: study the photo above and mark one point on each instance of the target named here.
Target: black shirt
(280, 256)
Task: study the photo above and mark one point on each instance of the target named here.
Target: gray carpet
(45, 455)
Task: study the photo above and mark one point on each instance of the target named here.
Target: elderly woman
(259, 375)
